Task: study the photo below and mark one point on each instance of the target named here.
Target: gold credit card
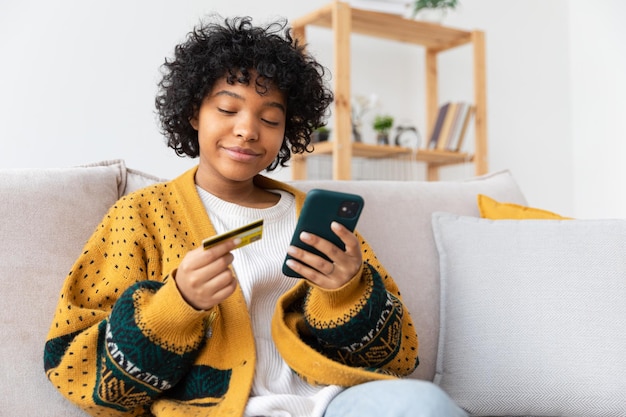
(248, 234)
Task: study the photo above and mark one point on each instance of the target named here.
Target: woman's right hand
(204, 277)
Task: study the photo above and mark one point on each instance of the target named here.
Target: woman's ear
(194, 121)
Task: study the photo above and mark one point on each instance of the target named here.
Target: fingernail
(305, 236)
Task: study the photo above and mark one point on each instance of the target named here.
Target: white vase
(431, 15)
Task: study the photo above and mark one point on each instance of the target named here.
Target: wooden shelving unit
(344, 20)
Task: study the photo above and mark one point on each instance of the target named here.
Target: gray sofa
(516, 317)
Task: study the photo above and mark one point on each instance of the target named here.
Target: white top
(276, 390)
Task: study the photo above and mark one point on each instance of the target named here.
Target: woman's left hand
(343, 265)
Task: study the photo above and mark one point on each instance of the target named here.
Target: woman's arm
(121, 334)
(364, 323)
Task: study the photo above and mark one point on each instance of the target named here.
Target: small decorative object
(382, 125)
(359, 106)
(408, 137)
(320, 134)
(432, 10)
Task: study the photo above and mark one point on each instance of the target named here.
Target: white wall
(598, 85)
(78, 79)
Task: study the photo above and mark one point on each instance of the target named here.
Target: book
(455, 146)
(446, 127)
(457, 126)
(469, 115)
(434, 136)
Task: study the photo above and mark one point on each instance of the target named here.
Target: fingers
(200, 257)
(333, 273)
(204, 278)
(347, 237)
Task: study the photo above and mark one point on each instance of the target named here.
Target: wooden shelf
(392, 27)
(365, 150)
(344, 20)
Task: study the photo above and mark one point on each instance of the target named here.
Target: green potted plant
(382, 125)
(320, 134)
(437, 8)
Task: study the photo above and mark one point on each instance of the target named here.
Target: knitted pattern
(349, 339)
(123, 342)
(359, 332)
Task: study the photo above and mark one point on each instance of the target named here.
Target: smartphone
(320, 209)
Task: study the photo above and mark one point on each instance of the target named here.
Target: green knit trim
(368, 335)
(202, 382)
(55, 349)
(133, 369)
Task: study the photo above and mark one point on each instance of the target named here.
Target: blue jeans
(394, 398)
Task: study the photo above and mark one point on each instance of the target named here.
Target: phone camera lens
(348, 209)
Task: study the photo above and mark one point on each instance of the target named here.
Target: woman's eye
(270, 122)
(225, 111)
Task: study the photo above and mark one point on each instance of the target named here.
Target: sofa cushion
(533, 315)
(47, 216)
(137, 179)
(495, 210)
(396, 221)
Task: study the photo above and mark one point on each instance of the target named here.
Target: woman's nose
(247, 127)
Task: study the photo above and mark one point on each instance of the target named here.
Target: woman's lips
(241, 154)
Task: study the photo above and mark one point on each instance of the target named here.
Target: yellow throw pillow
(494, 210)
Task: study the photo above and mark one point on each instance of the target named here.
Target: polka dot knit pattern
(123, 342)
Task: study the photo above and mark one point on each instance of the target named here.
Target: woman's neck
(243, 193)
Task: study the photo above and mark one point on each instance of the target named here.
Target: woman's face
(239, 131)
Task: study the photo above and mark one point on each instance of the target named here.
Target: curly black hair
(233, 50)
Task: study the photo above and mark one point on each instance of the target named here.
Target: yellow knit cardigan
(123, 342)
